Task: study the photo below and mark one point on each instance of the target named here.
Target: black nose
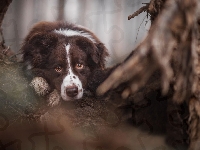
(72, 91)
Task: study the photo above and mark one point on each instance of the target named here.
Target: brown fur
(43, 49)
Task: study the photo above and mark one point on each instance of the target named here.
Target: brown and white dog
(60, 57)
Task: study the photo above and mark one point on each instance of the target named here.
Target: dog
(59, 58)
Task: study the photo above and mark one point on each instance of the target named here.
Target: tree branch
(142, 9)
(159, 50)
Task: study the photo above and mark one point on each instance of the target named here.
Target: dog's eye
(58, 69)
(79, 66)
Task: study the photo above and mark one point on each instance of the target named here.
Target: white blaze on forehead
(69, 32)
(70, 80)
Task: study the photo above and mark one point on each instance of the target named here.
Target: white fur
(69, 32)
(70, 80)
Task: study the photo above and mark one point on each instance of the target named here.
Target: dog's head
(64, 55)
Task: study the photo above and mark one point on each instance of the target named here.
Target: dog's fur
(60, 57)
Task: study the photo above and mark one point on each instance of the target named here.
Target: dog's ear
(101, 54)
(37, 47)
(97, 52)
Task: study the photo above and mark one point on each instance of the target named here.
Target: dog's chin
(67, 98)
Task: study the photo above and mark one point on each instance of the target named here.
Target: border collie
(60, 56)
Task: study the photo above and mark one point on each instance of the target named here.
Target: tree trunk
(172, 49)
(4, 51)
(3, 8)
(16, 96)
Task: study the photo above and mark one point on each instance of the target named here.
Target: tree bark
(4, 51)
(3, 8)
(171, 48)
(165, 50)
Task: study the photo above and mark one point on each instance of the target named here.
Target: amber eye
(79, 66)
(58, 69)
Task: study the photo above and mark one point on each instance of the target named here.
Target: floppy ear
(36, 48)
(96, 51)
(102, 53)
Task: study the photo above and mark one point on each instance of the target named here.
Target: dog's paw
(40, 86)
(54, 98)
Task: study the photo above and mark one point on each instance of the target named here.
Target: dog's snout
(72, 91)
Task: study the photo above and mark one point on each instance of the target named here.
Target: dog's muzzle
(72, 91)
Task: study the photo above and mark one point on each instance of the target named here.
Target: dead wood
(194, 122)
(194, 103)
(142, 9)
(3, 8)
(5, 52)
(153, 8)
(171, 48)
(168, 39)
(17, 99)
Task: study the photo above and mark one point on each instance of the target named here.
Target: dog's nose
(72, 91)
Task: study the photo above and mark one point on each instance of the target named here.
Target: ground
(86, 125)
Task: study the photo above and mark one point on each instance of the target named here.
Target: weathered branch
(153, 8)
(142, 9)
(194, 119)
(158, 51)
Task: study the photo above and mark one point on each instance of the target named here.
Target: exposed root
(169, 38)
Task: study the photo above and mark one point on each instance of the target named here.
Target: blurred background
(108, 19)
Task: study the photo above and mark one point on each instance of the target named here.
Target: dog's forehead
(71, 33)
(61, 52)
(76, 52)
(79, 45)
